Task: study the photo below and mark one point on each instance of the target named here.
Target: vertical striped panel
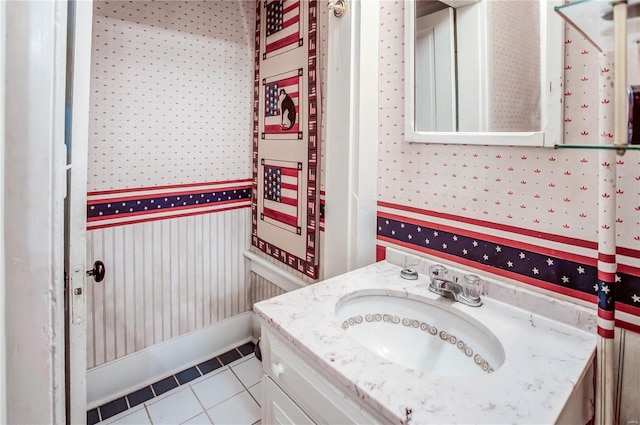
(262, 289)
(164, 279)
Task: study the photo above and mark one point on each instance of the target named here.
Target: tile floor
(229, 394)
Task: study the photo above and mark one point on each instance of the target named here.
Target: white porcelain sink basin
(420, 335)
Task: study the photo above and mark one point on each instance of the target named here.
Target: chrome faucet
(467, 292)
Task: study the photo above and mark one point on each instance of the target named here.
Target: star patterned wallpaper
(171, 110)
(171, 93)
(547, 196)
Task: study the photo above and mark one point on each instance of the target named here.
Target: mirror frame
(552, 76)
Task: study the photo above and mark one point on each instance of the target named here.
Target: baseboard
(120, 377)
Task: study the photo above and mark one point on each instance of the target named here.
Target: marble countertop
(545, 354)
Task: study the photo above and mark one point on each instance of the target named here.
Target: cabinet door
(280, 409)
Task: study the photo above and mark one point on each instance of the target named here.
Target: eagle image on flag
(281, 194)
(282, 26)
(281, 105)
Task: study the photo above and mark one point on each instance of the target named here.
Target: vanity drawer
(280, 409)
(323, 401)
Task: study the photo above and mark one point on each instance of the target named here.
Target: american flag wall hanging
(281, 203)
(285, 196)
(282, 27)
(282, 112)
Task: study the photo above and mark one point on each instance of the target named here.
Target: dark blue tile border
(140, 396)
(188, 375)
(209, 365)
(93, 417)
(113, 408)
(246, 349)
(147, 393)
(229, 357)
(164, 385)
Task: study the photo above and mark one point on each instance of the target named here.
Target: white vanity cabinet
(279, 409)
(316, 371)
(294, 392)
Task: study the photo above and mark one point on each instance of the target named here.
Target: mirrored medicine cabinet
(485, 72)
(614, 29)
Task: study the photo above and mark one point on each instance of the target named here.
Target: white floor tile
(249, 372)
(217, 388)
(241, 409)
(256, 392)
(201, 419)
(137, 417)
(176, 408)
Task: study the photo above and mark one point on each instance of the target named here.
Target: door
(80, 18)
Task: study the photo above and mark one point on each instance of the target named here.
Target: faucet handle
(472, 287)
(438, 271)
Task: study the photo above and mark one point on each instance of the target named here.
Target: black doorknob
(97, 272)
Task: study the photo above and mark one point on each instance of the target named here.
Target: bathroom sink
(422, 335)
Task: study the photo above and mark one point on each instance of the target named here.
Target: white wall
(33, 211)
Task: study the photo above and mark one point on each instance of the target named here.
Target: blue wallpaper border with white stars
(561, 273)
(113, 208)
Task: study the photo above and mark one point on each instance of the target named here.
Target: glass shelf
(594, 20)
(600, 147)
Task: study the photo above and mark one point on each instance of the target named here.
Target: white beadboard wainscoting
(172, 284)
(262, 288)
(270, 278)
(165, 279)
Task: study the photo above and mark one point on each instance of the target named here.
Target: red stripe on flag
(281, 217)
(289, 201)
(291, 21)
(290, 39)
(287, 82)
(289, 186)
(291, 7)
(288, 171)
(293, 95)
(277, 129)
